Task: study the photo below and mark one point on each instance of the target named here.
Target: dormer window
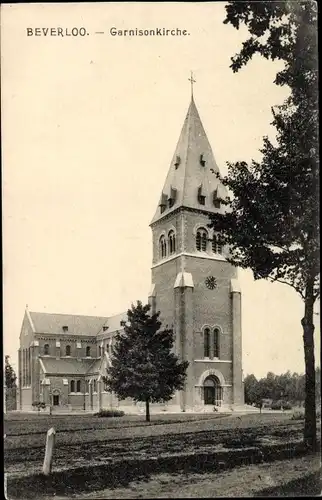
(201, 196)
(163, 203)
(202, 160)
(177, 162)
(65, 328)
(172, 197)
(216, 199)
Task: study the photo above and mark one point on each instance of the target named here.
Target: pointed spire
(192, 173)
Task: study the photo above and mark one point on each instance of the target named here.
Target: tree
(143, 366)
(10, 376)
(251, 389)
(272, 224)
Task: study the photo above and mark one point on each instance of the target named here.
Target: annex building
(62, 357)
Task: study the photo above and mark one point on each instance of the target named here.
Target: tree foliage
(144, 367)
(287, 386)
(271, 223)
(10, 375)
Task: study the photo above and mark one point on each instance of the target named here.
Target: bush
(280, 405)
(276, 405)
(109, 413)
(39, 405)
(298, 415)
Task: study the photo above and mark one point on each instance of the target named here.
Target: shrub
(276, 405)
(298, 415)
(109, 413)
(39, 405)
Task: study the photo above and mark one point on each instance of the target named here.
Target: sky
(89, 127)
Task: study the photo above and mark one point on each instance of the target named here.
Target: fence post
(50, 443)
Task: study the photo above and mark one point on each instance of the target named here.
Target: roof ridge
(69, 314)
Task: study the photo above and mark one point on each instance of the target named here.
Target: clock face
(211, 282)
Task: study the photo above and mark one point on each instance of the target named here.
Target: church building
(62, 357)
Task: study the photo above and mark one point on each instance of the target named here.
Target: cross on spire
(192, 81)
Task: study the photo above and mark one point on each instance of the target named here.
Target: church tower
(193, 286)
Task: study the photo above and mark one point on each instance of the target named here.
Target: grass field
(87, 439)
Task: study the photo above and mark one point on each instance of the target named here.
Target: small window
(99, 351)
(78, 386)
(105, 328)
(67, 350)
(172, 242)
(94, 385)
(216, 342)
(46, 349)
(206, 343)
(88, 351)
(65, 328)
(202, 160)
(72, 386)
(177, 162)
(87, 386)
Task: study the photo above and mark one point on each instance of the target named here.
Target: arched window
(172, 242)
(206, 344)
(72, 386)
(216, 342)
(78, 386)
(163, 247)
(216, 246)
(46, 349)
(88, 351)
(67, 350)
(201, 239)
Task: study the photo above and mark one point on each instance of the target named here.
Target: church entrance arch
(213, 391)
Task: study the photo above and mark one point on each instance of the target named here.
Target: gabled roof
(193, 170)
(67, 366)
(77, 324)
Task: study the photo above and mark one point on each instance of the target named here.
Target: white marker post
(50, 443)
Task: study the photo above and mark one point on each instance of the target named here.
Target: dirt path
(239, 482)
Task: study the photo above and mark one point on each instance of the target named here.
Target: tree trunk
(308, 340)
(147, 410)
